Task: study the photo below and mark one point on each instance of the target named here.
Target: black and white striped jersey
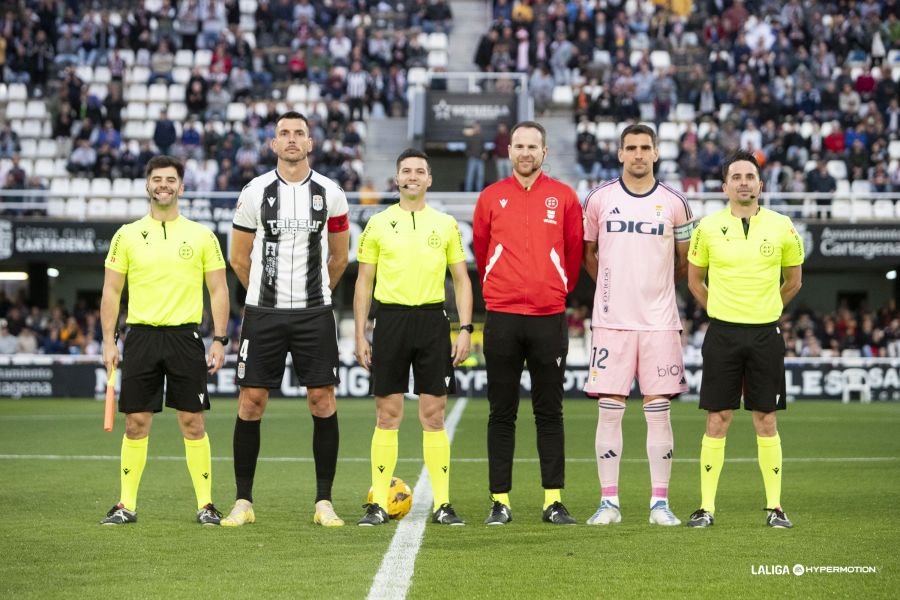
(288, 262)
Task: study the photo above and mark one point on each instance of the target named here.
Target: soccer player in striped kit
(289, 248)
(637, 233)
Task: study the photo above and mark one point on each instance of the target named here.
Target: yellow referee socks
(199, 462)
(769, 455)
(384, 459)
(712, 457)
(436, 451)
(551, 496)
(501, 498)
(134, 457)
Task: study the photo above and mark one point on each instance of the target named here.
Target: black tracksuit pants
(511, 340)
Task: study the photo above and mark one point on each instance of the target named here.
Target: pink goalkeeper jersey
(636, 237)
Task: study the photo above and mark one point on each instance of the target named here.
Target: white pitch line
(358, 459)
(392, 580)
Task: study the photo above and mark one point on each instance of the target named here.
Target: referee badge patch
(185, 252)
(318, 202)
(766, 248)
(434, 240)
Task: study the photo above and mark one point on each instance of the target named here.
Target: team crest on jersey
(240, 370)
(551, 202)
(434, 240)
(659, 210)
(318, 202)
(185, 252)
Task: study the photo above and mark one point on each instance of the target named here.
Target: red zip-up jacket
(528, 245)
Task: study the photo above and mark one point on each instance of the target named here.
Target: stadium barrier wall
(84, 377)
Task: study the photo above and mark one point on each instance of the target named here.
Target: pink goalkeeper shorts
(617, 356)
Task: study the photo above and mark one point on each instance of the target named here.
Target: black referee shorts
(153, 356)
(417, 336)
(267, 335)
(743, 360)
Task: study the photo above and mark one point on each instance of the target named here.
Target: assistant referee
(404, 253)
(745, 250)
(166, 258)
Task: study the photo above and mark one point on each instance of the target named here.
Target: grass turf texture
(53, 546)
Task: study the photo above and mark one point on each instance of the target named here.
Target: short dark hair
(413, 153)
(637, 129)
(530, 125)
(292, 114)
(163, 161)
(737, 157)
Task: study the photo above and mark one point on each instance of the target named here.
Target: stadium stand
(793, 81)
(85, 90)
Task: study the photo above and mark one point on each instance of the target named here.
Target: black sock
(246, 451)
(326, 438)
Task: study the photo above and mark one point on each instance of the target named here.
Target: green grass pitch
(58, 477)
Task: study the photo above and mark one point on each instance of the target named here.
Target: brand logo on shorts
(317, 202)
(446, 381)
(185, 252)
(665, 371)
(558, 360)
(334, 371)
(201, 397)
(240, 370)
(767, 248)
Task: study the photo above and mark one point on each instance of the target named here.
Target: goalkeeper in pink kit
(637, 233)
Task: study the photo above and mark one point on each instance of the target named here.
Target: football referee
(404, 253)
(166, 258)
(745, 250)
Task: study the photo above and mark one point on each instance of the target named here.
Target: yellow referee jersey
(410, 251)
(165, 263)
(744, 271)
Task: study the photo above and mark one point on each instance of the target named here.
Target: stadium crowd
(28, 329)
(352, 55)
(798, 83)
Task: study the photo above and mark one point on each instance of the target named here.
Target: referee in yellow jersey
(165, 258)
(404, 253)
(745, 251)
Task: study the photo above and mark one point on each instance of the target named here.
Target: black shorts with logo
(154, 356)
(417, 336)
(743, 360)
(268, 335)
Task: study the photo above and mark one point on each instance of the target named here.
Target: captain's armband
(683, 232)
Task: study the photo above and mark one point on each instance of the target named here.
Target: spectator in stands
(82, 160)
(8, 342)
(40, 59)
(240, 84)
(26, 342)
(691, 168)
(541, 87)
(191, 141)
(485, 50)
(711, 160)
(106, 162)
(114, 104)
(213, 20)
(586, 164)
(66, 49)
(126, 164)
(9, 141)
(217, 100)
(164, 134)
(108, 136)
(474, 157)
(162, 61)
(357, 86)
(438, 17)
(188, 23)
(502, 163)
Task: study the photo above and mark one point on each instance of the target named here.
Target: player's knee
(252, 403)
(137, 425)
(765, 424)
(717, 423)
(321, 401)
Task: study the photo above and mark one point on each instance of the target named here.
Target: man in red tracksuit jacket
(528, 238)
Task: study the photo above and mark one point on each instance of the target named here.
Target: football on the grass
(399, 499)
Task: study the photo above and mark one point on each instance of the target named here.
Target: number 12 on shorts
(598, 355)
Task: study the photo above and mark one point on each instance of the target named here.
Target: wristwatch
(222, 339)
(470, 328)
